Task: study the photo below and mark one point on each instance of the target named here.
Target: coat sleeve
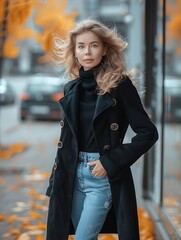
(49, 188)
(123, 156)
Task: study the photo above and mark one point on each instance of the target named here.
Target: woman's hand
(98, 169)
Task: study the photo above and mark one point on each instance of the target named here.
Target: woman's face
(89, 50)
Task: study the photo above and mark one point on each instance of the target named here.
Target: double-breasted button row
(60, 144)
(114, 102)
(61, 123)
(106, 147)
(114, 126)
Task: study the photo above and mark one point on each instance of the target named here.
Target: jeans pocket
(92, 175)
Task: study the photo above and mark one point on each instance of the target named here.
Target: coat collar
(70, 103)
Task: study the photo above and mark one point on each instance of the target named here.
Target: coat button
(55, 166)
(106, 147)
(61, 123)
(114, 126)
(60, 144)
(114, 102)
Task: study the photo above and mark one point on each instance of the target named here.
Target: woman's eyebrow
(90, 42)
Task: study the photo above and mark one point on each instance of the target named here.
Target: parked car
(7, 94)
(40, 98)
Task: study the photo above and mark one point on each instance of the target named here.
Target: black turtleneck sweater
(87, 103)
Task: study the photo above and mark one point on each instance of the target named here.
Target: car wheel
(23, 118)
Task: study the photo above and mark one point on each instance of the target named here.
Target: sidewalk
(24, 210)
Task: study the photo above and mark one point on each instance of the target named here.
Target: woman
(91, 187)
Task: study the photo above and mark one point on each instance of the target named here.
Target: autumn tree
(53, 20)
(174, 23)
(13, 15)
(50, 16)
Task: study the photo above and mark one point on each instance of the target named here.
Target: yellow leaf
(19, 11)
(40, 237)
(35, 232)
(35, 215)
(54, 20)
(2, 8)
(24, 236)
(2, 217)
(15, 231)
(42, 225)
(12, 219)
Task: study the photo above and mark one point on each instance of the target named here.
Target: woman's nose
(88, 52)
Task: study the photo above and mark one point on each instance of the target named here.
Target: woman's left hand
(98, 168)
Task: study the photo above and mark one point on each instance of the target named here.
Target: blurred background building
(152, 30)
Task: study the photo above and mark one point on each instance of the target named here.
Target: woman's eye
(80, 46)
(94, 45)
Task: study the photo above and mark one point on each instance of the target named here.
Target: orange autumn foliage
(101, 237)
(173, 10)
(35, 195)
(14, 231)
(2, 217)
(50, 16)
(19, 11)
(11, 219)
(10, 49)
(16, 13)
(145, 228)
(108, 237)
(24, 236)
(35, 215)
(12, 149)
(54, 20)
(40, 237)
(33, 226)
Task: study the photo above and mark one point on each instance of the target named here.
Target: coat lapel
(103, 102)
(70, 103)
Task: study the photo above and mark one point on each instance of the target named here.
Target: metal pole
(163, 104)
(150, 63)
(3, 38)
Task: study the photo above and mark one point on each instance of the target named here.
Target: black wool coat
(114, 112)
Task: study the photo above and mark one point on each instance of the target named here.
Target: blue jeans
(92, 199)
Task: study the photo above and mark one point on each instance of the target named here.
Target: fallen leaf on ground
(36, 176)
(8, 151)
(35, 215)
(35, 232)
(2, 217)
(14, 231)
(24, 236)
(40, 237)
(12, 219)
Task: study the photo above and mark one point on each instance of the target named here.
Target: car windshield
(47, 89)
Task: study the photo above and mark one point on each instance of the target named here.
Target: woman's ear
(104, 52)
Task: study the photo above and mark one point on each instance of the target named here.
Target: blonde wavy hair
(112, 67)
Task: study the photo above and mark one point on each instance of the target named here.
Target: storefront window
(172, 117)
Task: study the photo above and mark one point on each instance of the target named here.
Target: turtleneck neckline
(86, 74)
(89, 82)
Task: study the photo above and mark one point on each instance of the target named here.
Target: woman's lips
(88, 60)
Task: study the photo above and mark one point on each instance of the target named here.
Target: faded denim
(91, 201)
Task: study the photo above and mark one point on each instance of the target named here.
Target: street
(24, 176)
